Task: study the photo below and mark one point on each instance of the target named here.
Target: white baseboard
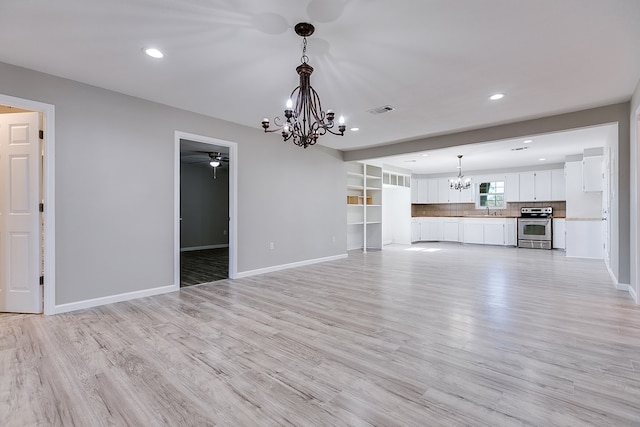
(80, 305)
(633, 293)
(623, 286)
(287, 266)
(202, 248)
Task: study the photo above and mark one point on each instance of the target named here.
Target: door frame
(48, 178)
(233, 200)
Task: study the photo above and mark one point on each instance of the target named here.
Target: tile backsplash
(469, 209)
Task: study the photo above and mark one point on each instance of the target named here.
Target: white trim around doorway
(48, 114)
(233, 201)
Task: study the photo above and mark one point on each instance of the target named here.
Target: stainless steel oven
(534, 228)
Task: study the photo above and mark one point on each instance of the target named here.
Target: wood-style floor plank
(427, 335)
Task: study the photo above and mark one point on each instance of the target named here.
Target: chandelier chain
(304, 59)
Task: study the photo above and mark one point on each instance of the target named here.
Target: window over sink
(491, 195)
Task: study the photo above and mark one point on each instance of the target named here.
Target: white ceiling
(435, 61)
(541, 151)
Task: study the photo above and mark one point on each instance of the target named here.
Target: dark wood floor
(203, 266)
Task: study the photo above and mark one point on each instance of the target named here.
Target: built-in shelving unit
(364, 206)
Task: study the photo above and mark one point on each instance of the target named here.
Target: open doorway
(206, 217)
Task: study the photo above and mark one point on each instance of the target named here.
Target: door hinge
(42, 280)
(41, 207)
(41, 134)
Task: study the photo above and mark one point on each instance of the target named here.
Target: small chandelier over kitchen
(306, 121)
(460, 182)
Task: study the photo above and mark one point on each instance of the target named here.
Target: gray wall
(617, 113)
(114, 166)
(204, 205)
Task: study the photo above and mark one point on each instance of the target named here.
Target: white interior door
(20, 255)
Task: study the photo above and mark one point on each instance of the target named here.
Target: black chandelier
(306, 122)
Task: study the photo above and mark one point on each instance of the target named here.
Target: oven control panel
(536, 212)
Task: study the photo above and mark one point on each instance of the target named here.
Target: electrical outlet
(271, 246)
(333, 238)
(224, 233)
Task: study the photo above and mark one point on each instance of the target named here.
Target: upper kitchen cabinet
(512, 187)
(542, 186)
(558, 185)
(527, 186)
(592, 173)
(432, 196)
(414, 190)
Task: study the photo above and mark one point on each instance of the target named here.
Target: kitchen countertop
(468, 216)
(505, 216)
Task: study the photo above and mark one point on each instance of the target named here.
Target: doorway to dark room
(204, 212)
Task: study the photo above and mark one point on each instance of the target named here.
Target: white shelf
(365, 182)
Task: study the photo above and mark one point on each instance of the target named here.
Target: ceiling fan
(214, 158)
(217, 160)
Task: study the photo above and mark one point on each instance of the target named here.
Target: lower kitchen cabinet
(558, 233)
(450, 232)
(473, 232)
(415, 230)
(494, 234)
(481, 231)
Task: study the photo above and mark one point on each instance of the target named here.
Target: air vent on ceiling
(519, 148)
(381, 110)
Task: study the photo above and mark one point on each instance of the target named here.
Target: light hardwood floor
(438, 335)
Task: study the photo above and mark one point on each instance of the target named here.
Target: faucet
(488, 213)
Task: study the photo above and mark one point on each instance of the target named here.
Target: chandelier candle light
(306, 122)
(460, 182)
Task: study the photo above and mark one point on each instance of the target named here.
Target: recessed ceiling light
(354, 129)
(425, 155)
(527, 141)
(154, 53)
(496, 96)
(542, 159)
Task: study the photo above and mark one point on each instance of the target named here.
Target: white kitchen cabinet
(450, 232)
(542, 186)
(511, 232)
(473, 232)
(558, 185)
(493, 234)
(512, 187)
(481, 231)
(592, 173)
(443, 190)
(423, 190)
(414, 190)
(454, 195)
(468, 195)
(415, 230)
(432, 192)
(558, 231)
(527, 186)
(489, 231)
(431, 229)
(535, 186)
